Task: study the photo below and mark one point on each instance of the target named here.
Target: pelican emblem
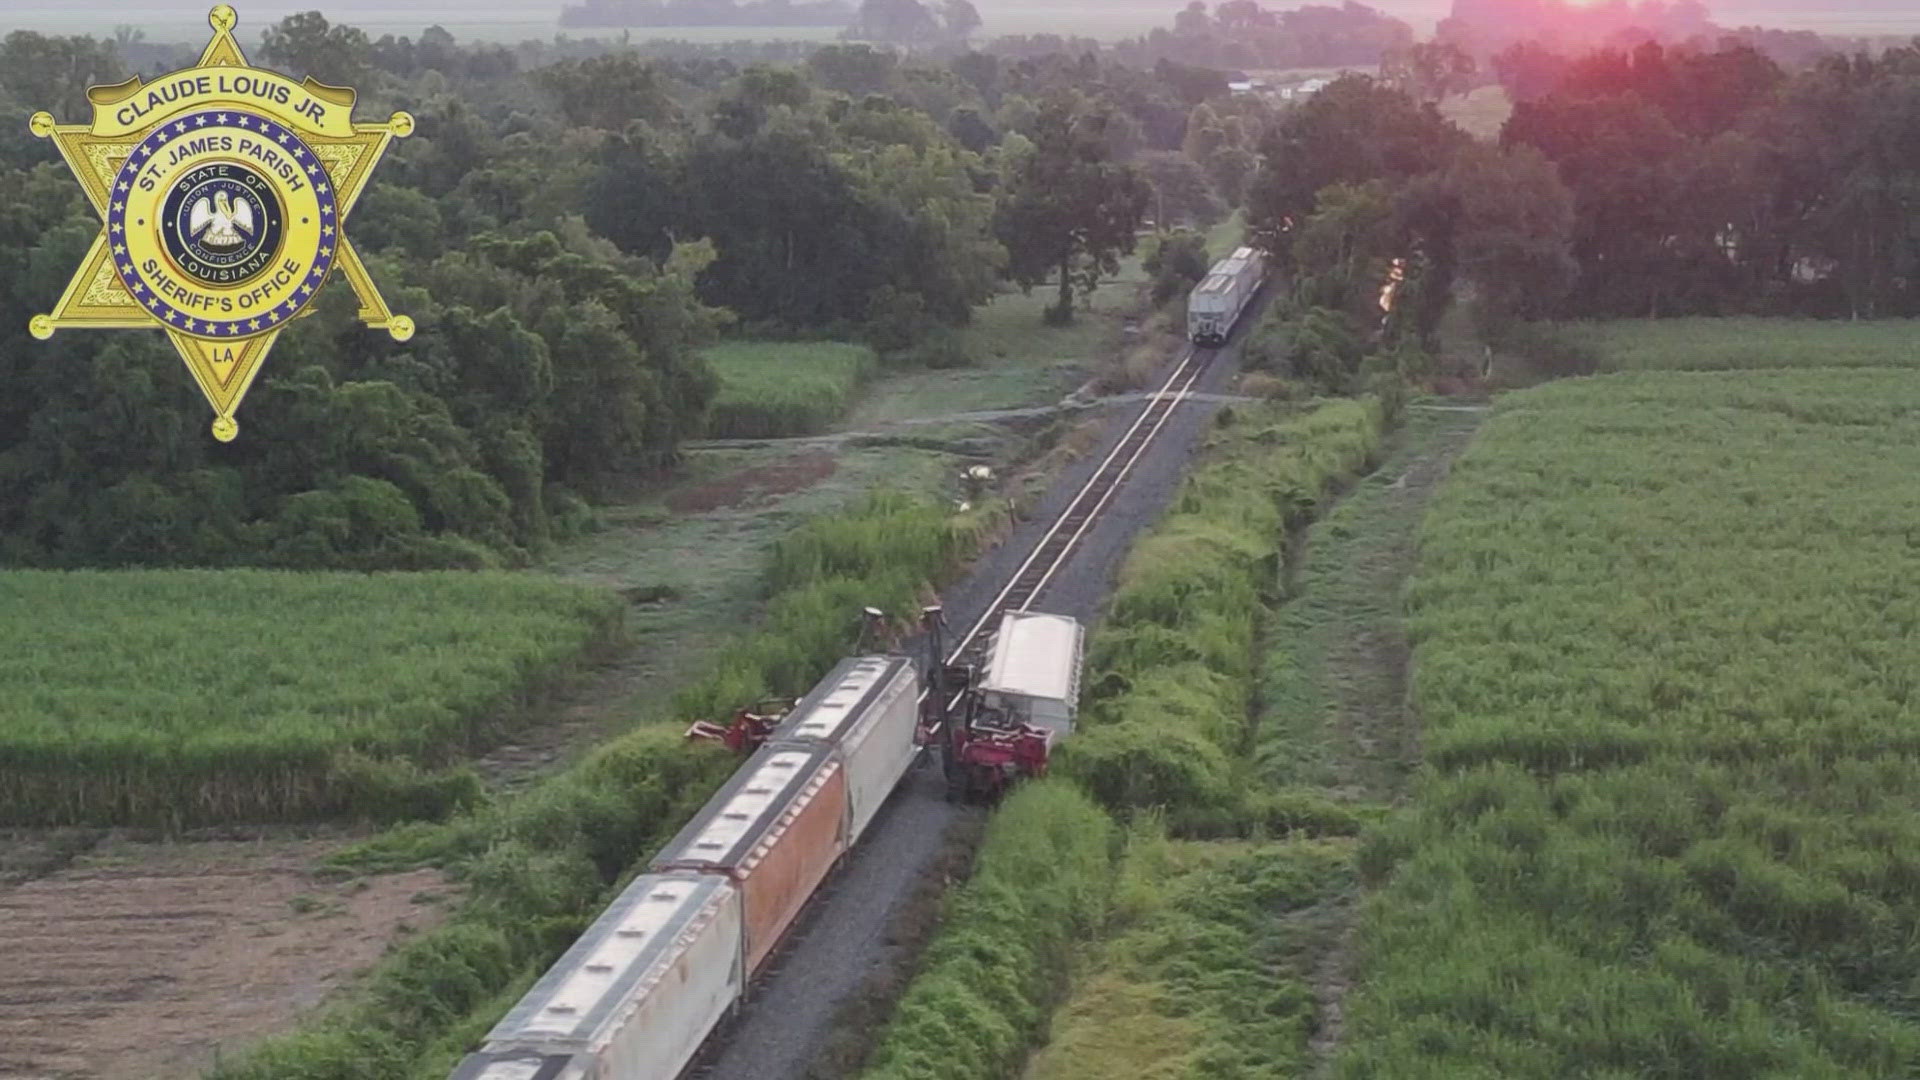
(220, 225)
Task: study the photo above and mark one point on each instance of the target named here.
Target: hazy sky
(516, 19)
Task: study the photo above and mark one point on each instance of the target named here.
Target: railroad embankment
(1222, 948)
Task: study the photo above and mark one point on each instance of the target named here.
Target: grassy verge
(1203, 926)
(1206, 967)
(773, 389)
(537, 868)
(1333, 673)
(1169, 710)
(1704, 344)
(1663, 633)
(180, 698)
(1041, 882)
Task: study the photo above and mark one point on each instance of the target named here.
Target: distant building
(1306, 89)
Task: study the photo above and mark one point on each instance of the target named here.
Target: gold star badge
(223, 189)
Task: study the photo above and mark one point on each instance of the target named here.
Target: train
(639, 993)
(1215, 304)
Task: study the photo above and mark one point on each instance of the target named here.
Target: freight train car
(633, 998)
(1215, 304)
(642, 989)
(1033, 673)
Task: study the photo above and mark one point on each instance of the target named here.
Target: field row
(243, 695)
(1665, 628)
(774, 389)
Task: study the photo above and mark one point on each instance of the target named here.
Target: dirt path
(141, 961)
(1353, 570)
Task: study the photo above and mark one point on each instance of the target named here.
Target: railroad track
(1060, 540)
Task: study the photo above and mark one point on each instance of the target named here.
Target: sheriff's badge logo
(224, 188)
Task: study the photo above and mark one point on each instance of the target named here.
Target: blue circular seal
(224, 224)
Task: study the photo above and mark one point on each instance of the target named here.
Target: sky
(185, 20)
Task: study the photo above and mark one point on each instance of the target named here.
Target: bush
(1171, 671)
(1177, 262)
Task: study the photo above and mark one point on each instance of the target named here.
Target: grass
(176, 698)
(1331, 699)
(1017, 360)
(536, 868)
(1663, 629)
(1214, 940)
(1170, 691)
(1709, 344)
(1232, 641)
(1041, 882)
(1206, 967)
(774, 389)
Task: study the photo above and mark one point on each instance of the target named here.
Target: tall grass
(1206, 970)
(1664, 630)
(1041, 883)
(1172, 669)
(773, 389)
(1168, 706)
(1709, 344)
(538, 868)
(176, 698)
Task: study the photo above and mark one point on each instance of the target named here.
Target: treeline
(1645, 184)
(567, 236)
(1714, 183)
(617, 13)
(1237, 35)
(1486, 28)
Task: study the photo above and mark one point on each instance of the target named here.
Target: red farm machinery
(991, 723)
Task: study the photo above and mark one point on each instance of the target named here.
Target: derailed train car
(636, 996)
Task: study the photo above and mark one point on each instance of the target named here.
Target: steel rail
(1024, 584)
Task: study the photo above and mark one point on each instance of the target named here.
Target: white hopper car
(1216, 303)
(641, 990)
(1033, 674)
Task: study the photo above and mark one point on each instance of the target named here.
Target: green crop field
(1701, 344)
(770, 389)
(184, 697)
(1664, 633)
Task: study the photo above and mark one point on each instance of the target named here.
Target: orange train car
(775, 830)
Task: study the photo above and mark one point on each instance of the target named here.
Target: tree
(306, 44)
(904, 22)
(1353, 131)
(53, 73)
(1072, 211)
(961, 18)
(1180, 190)
(1430, 71)
(607, 92)
(1177, 263)
(1514, 235)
